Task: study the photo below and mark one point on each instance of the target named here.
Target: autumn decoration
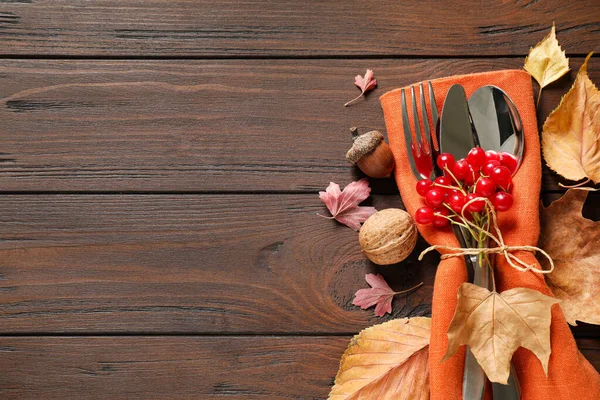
(344, 205)
(380, 295)
(571, 133)
(388, 236)
(391, 360)
(546, 61)
(495, 325)
(365, 84)
(371, 154)
(381, 359)
(574, 248)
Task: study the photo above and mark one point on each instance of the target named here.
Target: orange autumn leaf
(572, 242)
(546, 61)
(386, 361)
(495, 325)
(571, 133)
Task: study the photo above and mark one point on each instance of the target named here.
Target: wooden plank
(259, 125)
(177, 368)
(292, 28)
(174, 368)
(189, 263)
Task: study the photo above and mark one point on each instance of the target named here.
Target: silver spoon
(499, 127)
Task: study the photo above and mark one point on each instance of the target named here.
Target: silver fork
(425, 153)
(422, 159)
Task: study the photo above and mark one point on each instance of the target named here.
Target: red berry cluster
(482, 173)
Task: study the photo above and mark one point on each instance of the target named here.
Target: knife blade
(456, 130)
(458, 137)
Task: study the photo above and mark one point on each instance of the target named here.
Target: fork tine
(425, 118)
(434, 114)
(408, 136)
(416, 121)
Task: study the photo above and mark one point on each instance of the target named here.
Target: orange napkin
(570, 375)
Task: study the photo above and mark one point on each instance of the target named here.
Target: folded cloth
(570, 375)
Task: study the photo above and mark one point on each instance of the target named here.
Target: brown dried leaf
(386, 361)
(572, 242)
(546, 61)
(571, 133)
(496, 325)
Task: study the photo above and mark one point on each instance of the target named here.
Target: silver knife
(457, 137)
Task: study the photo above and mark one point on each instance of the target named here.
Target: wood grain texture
(259, 264)
(260, 125)
(176, 368)
(219, 28)
(189, 263)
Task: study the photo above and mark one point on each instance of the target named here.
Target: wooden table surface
(159, 169)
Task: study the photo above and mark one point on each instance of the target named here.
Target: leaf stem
(353, 100)
(576, 185)
(408, 290)
(539, 97)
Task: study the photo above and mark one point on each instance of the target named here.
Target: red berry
(457, 202)
(502, 201)
(475, 206)
(435, 197)
(489, 167)
(461, 169)
(443, 180)
(423, 186)
(445, 160)
(424, 215)
(438, 217)
(491, 155)
(476, 158)
(471, 176)
(485, 187)
(509, 161)
(501, 176)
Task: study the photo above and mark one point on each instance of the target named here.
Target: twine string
(501, 248)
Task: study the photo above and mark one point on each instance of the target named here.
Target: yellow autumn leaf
(496, 325)
(571, 133)
(386, 361)
(571, 240)
(546, 61)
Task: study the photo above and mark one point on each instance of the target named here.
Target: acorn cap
(363, 144)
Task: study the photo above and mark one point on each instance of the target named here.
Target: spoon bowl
(497, 122)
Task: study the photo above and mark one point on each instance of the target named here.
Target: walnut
(388, 236)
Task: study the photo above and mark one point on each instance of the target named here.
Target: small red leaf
(380, 294)
(365, 84)
(343, 205)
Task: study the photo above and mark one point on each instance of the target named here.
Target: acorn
(371, 154)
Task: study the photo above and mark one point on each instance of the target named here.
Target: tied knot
(501, 248)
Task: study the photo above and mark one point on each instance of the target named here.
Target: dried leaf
(365, 84)
(571, 133)
(386, 361)
(546, 61)
(379, 293)
(572, 242)
(343, 206)
(496, 325)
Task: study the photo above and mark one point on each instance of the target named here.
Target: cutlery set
(490, 120)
